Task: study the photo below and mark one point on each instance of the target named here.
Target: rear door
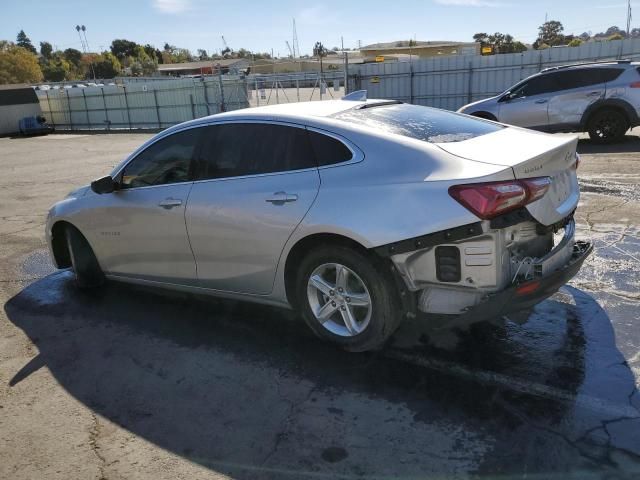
(579, 88)
(526, 104)
(256, 183)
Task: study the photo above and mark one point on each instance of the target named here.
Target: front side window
(166, 161)
(536, 86)
(237, 149)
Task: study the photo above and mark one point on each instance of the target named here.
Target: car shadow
(247, 391)
(629, 144)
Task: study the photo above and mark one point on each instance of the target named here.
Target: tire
(607, 126)
(363, 279)
(86, 268)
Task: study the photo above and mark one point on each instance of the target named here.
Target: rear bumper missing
(520, 296)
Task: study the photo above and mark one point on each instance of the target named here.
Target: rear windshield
(422, 123)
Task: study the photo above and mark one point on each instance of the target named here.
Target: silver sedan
(356, 213)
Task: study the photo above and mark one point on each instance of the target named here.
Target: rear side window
(328, 150)
(422, 123)
(166, 161)
(585, 77)
(236, 149)
(610, 74)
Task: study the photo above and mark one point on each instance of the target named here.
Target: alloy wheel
(608, 126)
(339, 299)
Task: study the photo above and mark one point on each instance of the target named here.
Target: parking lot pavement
(134, 383)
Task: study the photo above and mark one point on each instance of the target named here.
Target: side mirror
(506, 97)
(104, 185)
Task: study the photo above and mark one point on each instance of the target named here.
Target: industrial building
(421, 49)
(207, 67)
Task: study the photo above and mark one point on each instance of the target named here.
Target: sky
(263, 25)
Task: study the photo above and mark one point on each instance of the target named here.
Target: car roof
(622, 64)
(299, 112)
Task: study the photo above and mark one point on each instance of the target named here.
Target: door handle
(280, 198)
(169, 203)
(542, 101)
(594, 94)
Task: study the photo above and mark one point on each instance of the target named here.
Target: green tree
(243, 53)
(18, 65)
(122, 48)
(23, 41)
(616, 36)
(153, 52)
(181, 55)
(142, 63)
(106, 65)
(46, 49)
(550, 33)
(576, 42)
(501, 42)
(57, 69)
(72, 55)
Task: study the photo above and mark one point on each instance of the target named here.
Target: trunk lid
(530, 154)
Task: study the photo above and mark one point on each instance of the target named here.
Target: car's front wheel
(607, 126)
(347, 298)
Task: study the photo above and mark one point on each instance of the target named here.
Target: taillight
(635, 85)
(488, 200)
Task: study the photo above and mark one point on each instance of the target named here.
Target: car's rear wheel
(347, 298)
(86, 268)
(607, 126)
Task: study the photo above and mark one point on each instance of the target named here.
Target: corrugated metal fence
(154, 104)
(450, 82)
(447, 82)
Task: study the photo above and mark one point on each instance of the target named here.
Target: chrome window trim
(357, 154)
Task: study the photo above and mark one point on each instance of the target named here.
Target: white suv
(600, 98)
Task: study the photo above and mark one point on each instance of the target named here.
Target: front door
(526, 104)
(140, 228)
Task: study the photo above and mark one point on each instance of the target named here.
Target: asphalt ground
(135, 383)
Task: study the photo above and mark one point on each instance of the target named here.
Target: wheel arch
(615, 104)
(59, 247)
(484, 114)
(304, 245)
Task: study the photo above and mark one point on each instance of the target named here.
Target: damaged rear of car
(520, 249)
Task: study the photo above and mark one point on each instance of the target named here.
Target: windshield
(422, 123)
